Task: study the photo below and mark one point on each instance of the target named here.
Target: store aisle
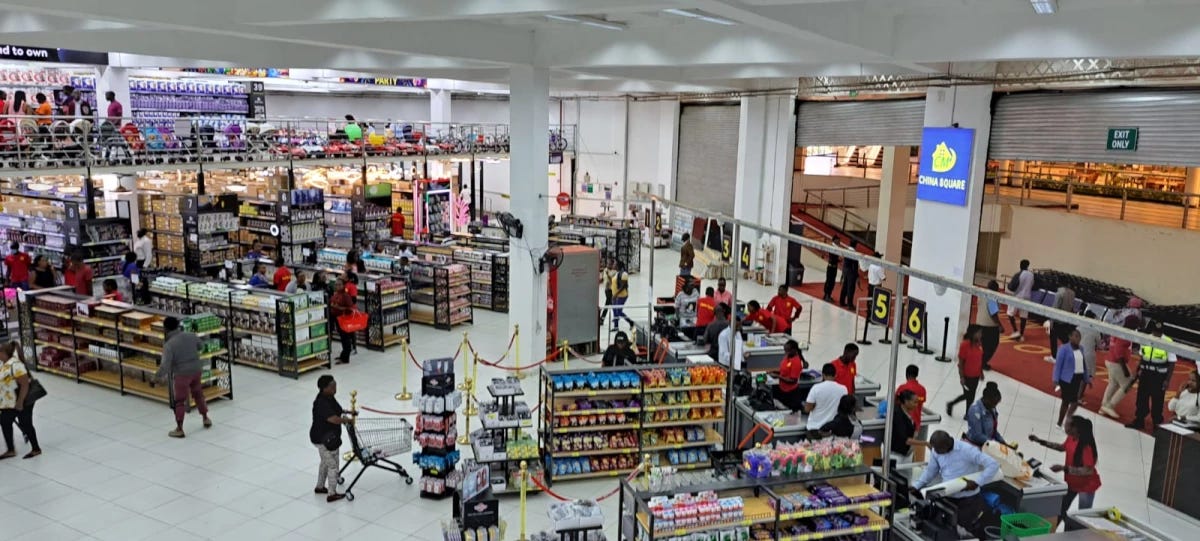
(110, 472)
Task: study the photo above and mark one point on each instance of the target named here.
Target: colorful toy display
(803, 457)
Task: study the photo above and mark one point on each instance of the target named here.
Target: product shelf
(594, 428)
(595, 474)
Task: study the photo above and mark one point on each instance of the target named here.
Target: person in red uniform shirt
(79, 275)
(790, 368)
(784, 306)
(18, 263)
(1079, 471)
(706, 308)
(970, 367)
(771, 322)
(398, 223)
(915, 386)
(846, 368)
(283, 275)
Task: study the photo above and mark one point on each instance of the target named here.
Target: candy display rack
(850, 503)
(502, 442)
(387, 307)
(436, 429)
(600, 422)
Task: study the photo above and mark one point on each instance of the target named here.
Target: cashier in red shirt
(398, 223)
(846, 368)
(791, 366)
(784, 306)
(706, 309)
(771, 322)
(915, 386)
(17, 263)
(79, 275)
(283, 275)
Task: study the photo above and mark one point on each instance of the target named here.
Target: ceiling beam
(301, 12)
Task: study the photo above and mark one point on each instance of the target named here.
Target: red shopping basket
(353, 322)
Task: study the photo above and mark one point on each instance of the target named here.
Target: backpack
(1015, 281)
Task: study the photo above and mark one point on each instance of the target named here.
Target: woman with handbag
(18, 393)
(342, 304)
(326, 435)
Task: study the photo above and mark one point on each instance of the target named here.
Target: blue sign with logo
(945, 171)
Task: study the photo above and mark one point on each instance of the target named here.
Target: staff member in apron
(1154, 373)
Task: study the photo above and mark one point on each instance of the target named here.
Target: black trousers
(24, 419)
(1150, 395)
(830, 280)
(848, 286)
(793, 400)
(347, 339)
(970, 386)
(991, 342)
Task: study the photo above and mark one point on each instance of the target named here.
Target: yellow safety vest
(1155, 355)
(620, 290)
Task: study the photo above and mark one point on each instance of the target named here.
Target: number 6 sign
(914, 319)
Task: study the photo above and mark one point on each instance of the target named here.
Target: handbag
(353, 322)
(333, 441)
(36, 390)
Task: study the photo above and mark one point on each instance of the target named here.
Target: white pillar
(893, 203)
(766, 153)
(1192, 185)
(529, 101)
(945, 236)
(117, 80)
(439, 106)
(668, 146)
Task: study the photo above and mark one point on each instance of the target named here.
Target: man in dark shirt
(831, 269)
(712, 333)
(849, 279)
(619, 353)
(904, 431)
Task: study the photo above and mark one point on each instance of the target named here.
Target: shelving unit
(787, 508)
(387, 307)
(303, 327)
(599, 422)
(502, 442)
(53, 228)
(159, 102)
(259, 223)
(301, 224)
(489, 277)
(339, 223)
(118, 346)
(210, 225)
(159, 214)
(436, 429)
(441, 295)
(372, 214)
(615, 238)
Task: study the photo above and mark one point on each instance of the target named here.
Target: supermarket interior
(692, 270)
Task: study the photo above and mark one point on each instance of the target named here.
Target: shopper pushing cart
(372, 441)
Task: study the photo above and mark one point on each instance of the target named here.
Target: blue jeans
(619, 313)
(685, 271)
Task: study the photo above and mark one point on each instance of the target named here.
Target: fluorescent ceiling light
(586, 20)
(1045, 7)
(701, 16)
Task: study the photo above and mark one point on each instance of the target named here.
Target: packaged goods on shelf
(804, 457)
(438, 455)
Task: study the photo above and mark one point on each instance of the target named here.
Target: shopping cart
(374, 440)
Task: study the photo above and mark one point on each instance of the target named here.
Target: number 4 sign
(744, 256)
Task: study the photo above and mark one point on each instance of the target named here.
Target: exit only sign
(1123, 139)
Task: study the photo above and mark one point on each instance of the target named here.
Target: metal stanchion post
(923, 348)
(404, 395)
(650, 294)
(523, 479)
(517, 349)
(866, 322)
(646, 470)
(466, 382)
(893, 362)
(565, 360)
(349, 455)
(945, 335)
(472, 410)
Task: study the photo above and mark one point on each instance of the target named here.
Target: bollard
(466, 383)
(566, 362)
(472, 410)
(887, 331)
(866, 324)
(523, 480)
(404, 395)
(945, 335)
(517, 347)
(924, 347)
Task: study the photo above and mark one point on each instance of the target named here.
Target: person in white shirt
(875, 274)
(1186, 406)
(1024, 290)
(822, 403)
(738, 342)
(143, 248)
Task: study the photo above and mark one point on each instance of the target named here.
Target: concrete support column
(439, 106)
(893, 203)
(668, 146)
(529, 119)
(946, 236)
(1192, 185)
(115, 79)
(766, 153)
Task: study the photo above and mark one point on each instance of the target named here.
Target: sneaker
(207, 422)
(1048, 359)
(177, 433)
(320, 490)
(1015, 336)
(1108, 411)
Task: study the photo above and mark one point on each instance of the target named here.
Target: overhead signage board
(384, 81)
(945, 171)
(1122, 139)
(51, 54)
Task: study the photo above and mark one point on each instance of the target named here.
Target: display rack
(116, 345)
(303, 332)
(339, 223)
(53, 228)
(372, 214)
(441, 295)
(489, 277)
(210, 225)
(806, 507)
(259, 223)
(599, 422)
(159, 102)
(159, 214)
(436, 429)
(387, 307)
(301, 224)
(434, 220)
(617, 239)
(502, 442)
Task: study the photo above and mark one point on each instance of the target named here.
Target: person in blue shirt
(983, 421)
(260, 276)
(954, 459)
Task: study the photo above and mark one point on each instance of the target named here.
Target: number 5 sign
(881, 305)
(914, 319)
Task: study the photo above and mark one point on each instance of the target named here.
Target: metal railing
(1126, 203)
(29, 145)
(839, 216)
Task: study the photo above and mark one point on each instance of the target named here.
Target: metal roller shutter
(1073, 126)
(707, 163)
(843, 123)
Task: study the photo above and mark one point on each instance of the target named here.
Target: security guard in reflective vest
(1154, 373)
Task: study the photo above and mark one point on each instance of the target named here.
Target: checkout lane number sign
(945, 171)
(914, 319)
(881, 305)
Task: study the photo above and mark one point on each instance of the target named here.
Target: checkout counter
(1103, 524)
(788, 427)
(1176, 452)
(764, 351)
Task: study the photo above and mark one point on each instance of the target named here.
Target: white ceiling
(774, 43)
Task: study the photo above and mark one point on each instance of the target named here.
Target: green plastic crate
(1024, 525)
(316, 330)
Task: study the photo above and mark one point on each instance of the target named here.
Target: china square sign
(945, 170)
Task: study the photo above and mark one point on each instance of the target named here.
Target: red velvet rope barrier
(560, 497)
(385, 412)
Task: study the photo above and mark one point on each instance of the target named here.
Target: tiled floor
(110, 472)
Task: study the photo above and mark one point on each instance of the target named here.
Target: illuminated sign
(384, 81)
(945, 171)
